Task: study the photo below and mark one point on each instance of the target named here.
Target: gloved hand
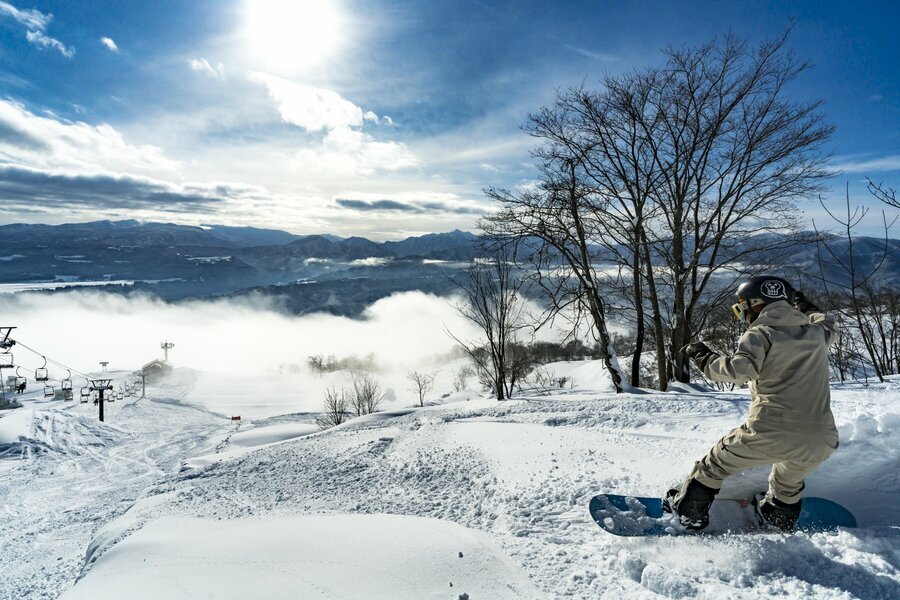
(699, 353)
(801, 303)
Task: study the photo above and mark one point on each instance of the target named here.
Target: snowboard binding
(773, 512)
(692, 509)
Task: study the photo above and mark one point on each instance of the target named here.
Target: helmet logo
(774, 289)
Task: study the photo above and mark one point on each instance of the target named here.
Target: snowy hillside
(467, 499)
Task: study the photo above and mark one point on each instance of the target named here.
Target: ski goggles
(743, 310)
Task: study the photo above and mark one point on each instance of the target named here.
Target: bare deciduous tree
(884, 194)
(461, 380)
(491, 301)
(671, 174)
(335, 409)
(733, 155)
(845, 279)
(365, 394)
(552, 224)
(422, 384)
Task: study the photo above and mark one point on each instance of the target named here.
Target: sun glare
(293, 34)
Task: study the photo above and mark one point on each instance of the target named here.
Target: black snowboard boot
(693, 508)
(772, 511)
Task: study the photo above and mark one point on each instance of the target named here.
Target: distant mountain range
(316, 272)
(178, 261)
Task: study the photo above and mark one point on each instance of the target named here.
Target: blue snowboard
(635, 517)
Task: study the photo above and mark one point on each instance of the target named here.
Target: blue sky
(375, 118)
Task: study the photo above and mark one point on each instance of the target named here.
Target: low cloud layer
(24, 187)
(81, 329)
(408, 207)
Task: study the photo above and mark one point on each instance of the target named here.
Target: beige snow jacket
(784, 356)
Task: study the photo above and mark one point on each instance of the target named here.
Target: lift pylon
(101, 386)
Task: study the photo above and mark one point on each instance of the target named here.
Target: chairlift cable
(50, 360)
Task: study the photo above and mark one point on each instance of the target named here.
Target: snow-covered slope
(321, 556)
(512, 478)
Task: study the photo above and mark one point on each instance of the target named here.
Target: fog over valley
(250, 335)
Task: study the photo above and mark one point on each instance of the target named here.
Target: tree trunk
(680, 368)
(608, 354)
(658, 333)
(639, 314)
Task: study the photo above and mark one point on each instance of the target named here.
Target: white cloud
(30, 18)
(312, 108)
(592, 54)
(109, 43)
(372, 261)
(885, 163)
(49, 142)
(202, 65)
(42, 40)
(36, 24)
(345, 151)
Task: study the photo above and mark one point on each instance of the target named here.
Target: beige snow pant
(792, 456)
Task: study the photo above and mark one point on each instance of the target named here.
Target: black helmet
(760, 290)
(766, 289)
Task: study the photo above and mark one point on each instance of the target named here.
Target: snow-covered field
(468, 498)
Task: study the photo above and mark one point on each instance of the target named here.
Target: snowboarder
(783, 356)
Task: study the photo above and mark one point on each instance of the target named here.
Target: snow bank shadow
(859, 562)
(862, 474)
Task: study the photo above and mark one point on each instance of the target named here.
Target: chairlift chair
(20, 380)
(85, 394)
(49, 392)
(6, 360)
(41, 373)
(68, 395)
(67, 382)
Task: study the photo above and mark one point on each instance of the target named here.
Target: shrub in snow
(335, 409)
(365, 395)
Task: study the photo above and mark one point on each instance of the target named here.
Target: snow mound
(240, 443)
(583, 374)
(330, 556)
(260, 436)
(28, 431)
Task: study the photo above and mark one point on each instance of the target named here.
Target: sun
(293, 34)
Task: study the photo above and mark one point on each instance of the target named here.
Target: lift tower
(100, 386)
(166, 346)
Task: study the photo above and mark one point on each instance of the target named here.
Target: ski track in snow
(74, 474)
(522, 471)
